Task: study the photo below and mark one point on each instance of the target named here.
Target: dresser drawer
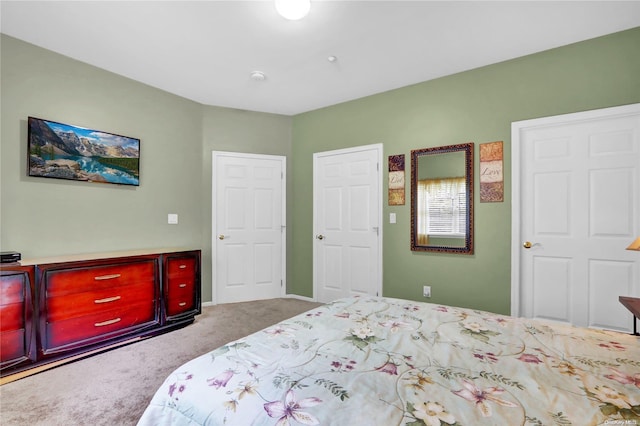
(69, 281)
(180, 295)
(81, 330)
(184, 266)
(12, 317)
(12, 289)
(178, 305)
(180, 285)
(12, 345)
(102, 300)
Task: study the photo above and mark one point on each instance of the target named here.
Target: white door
(576, 207)
(347, 211)
(248, 241)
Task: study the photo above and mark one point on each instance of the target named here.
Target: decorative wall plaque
(396, 180)
(491, 172)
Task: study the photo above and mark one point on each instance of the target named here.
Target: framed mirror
(442, 199)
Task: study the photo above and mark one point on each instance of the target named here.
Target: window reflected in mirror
(442, 211)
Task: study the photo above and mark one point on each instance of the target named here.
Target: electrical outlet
(426, 291)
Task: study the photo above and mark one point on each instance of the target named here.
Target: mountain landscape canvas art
(63, 151)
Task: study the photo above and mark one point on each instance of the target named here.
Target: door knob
(221, 237)
(320, 237)
(527, 245)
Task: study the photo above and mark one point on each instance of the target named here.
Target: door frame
(517, 127)
(283, 161)
(379, 150)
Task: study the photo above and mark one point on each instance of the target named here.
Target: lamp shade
(293, 9)
(635, 245)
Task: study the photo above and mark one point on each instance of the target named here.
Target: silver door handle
(320, 237)
(222, 237)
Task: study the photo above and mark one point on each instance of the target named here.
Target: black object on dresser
(10, 257)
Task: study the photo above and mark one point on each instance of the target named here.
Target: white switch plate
(426, 291)
(392, 218)
(172, 219)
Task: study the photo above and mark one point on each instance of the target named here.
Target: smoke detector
(258, 76)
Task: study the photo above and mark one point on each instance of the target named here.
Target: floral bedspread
(383, 361)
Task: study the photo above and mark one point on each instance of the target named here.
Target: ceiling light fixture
(293, 9)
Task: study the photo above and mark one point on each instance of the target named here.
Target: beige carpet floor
(113, 388)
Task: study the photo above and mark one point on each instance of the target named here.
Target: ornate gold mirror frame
(442, 199)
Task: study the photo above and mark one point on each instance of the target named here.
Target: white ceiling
(206, 50)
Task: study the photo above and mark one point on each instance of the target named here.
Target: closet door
(347, 210)
(576, 208)
(249, 230)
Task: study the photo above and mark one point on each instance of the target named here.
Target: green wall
(46, 217)
(475, 106)
(41, 217)
(226, 129)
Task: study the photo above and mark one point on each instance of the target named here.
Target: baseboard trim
(287, 296)
(297, 296)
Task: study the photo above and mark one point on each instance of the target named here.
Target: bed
(384, 361)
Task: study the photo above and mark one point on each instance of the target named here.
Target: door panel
(232, 262)
(577, 200)
(248, 227)
(264, 255)
(607, 278)
(552, 277)
(347, 215)
(551, 210)
(611, 211)
(360, 211)
(360, 261)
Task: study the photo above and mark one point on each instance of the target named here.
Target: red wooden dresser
(56, 309)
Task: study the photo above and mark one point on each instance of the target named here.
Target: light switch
(392, 218)
(172, 219)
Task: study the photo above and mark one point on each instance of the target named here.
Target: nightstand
(633, 305)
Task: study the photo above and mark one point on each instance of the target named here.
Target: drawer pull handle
(108, 322)
(106, 277)
(181, 304)
(183, 285)
(107, 299)
(183, 266)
